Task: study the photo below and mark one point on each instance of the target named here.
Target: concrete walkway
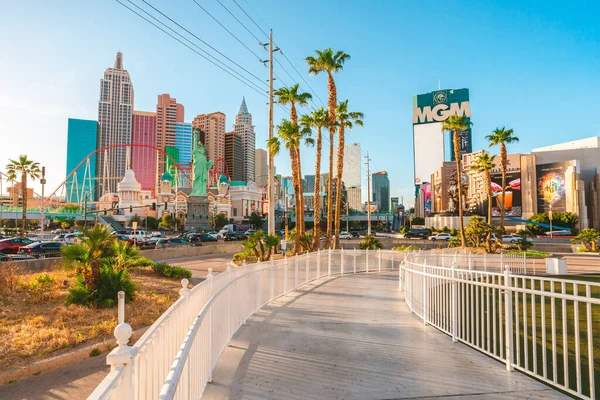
(352, 337)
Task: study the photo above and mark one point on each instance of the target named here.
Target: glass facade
(171, 160)
(381, 190)
(82, 135)
(183, 142)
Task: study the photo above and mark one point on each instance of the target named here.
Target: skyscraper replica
(243, 127)
(114, 122)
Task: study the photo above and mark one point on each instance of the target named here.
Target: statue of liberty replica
(198, 203)
(200, 166)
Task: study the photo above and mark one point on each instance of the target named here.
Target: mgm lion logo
(440, 97)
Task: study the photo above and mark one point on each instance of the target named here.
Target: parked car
(355, 234)
(42, 250)
(12, 245)
(231, 237)
(216, 235)
(173, 242)
(121, 232)
(240, 235)
(71, 238)
(126, 239)
(249, 232)
(202, 237)
(346, 235)
(417, 234)
(440, 236)
(155, 238)
(140, 236)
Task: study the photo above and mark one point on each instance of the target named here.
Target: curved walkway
(352, 337)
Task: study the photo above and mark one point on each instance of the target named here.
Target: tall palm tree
(502, 136)
(316, 119)
(291, 136)
(292, 96)
(346, 120)
(456, 124)
(329, 62)
(26, 168)
(483, 164)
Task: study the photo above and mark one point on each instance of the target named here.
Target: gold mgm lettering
(440, 112)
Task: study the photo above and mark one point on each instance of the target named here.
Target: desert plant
(171, 271)
(589, 239)
(272, 242)
(109, 283)
(524, 244)
(370, 243)
(41, 286)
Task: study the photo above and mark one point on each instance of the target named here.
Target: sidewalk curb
(62, 360)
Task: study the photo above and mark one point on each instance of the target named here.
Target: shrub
(41, 286)
(588, 239)
(9, 277)
(141, 262)
(370, 243)
(109, 283)
(172, 272)
(404, 247)
(242, 256)
(454, 242)
(95, 352)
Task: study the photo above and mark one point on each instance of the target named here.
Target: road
(77, 381)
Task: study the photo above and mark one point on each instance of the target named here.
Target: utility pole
(271, 180)
(42, 220)
(368, 161)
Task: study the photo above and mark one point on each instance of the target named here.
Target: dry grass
(32, 329)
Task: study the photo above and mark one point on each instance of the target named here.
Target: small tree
(371, 243)
(220, 221)
(589, 239)
(524, 243)
(257, 220)
(167, 222)
(150, 223)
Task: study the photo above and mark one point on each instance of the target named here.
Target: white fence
(176, 355)
(541, 326)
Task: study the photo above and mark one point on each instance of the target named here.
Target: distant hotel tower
(143, 159)
(114, 119)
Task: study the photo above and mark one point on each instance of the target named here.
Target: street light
(42, 222)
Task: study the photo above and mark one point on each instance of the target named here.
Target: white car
(216, 235)
(71, 238)
(440, 236)
(346, 235)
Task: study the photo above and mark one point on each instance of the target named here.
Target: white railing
(480, 262)
(176, 356)
(541, 326)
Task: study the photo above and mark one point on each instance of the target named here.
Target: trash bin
(556, 266)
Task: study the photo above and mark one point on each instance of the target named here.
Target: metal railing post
(121, 358)
(454, 305)
(508, 323)
(285, 273)
(342, 261)
(424, 278)
(296, 271)
(211, 319)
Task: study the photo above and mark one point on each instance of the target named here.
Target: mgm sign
(432, 146)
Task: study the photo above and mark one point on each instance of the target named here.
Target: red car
(12, 245)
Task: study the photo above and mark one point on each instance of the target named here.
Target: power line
(192, 49)
(257, 14)
(213, 48)
(244, 11)
(240, 22)
(228, 31)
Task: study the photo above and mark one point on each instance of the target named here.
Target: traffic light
(165, 205)
(105, 211)
(131, 209)
(153, 207)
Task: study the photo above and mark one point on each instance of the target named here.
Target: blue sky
(532, 66)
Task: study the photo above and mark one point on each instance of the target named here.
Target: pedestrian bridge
(344, 324)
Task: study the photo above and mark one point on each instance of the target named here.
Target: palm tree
(329, 62)
(316, 119)
(345, 119)
(456, 124)
(26, 168)
(502, 136)
(483, 164)
(291, 136)
(292, 96)
(87, 256)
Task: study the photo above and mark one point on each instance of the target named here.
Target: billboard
(429, 111)
(512, 203)
(394, 201)
(551, 191)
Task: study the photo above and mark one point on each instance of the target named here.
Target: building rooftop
(587, 143)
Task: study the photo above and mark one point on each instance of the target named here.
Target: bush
(404, 247)
(95, 352)
(107, 286)
(370, 243)
(454, 242)
(41, 286)
(9, 277)
(418, 221)
(243, 256)
(141, 262)
(172, 272)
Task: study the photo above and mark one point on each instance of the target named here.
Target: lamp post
(42, 222)
(550, 218)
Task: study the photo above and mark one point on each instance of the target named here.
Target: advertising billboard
(551, 191)
(512, 203)
(429, 111)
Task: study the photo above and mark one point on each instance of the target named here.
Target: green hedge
(172, 272)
